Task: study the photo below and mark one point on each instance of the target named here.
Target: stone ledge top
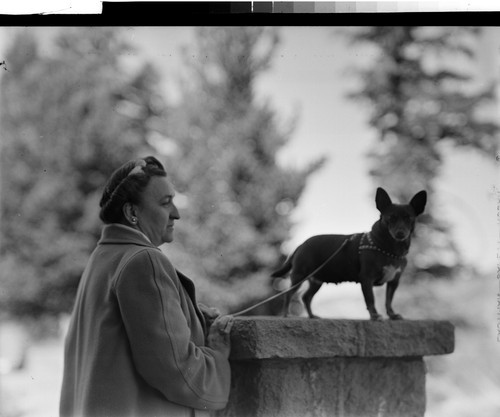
(257, 337)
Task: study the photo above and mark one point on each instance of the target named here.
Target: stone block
(336, 368)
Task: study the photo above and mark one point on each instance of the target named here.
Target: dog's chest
(389, 273)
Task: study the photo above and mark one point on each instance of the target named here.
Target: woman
(138, 344)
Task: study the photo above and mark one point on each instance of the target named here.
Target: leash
(246, 310)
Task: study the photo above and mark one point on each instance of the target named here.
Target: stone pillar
(286, 367)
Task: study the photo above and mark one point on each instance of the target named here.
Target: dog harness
(366, 243)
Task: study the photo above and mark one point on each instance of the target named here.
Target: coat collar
(120, 234)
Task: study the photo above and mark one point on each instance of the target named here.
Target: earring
(134, 220)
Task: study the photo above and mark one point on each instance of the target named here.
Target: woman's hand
(210, 313)
(219, 336)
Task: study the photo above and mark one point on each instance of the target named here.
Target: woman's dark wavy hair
(126, 185)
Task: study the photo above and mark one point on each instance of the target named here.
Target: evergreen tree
(68, 118)
(239, 200)
(421, 95)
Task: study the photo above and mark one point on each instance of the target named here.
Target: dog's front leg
(367, 288)
(390, 290)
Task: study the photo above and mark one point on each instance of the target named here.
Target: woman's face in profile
(157, 212)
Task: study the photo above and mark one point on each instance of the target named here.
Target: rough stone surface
(286, 338)
(343, 387)
(336, 368)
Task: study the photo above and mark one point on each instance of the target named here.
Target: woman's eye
(166, 203)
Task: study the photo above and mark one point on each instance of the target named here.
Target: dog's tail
(285, 268)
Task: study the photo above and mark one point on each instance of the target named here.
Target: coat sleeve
(160, 336)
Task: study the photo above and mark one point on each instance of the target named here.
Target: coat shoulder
(143, 260)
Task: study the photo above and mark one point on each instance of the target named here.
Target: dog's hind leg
(295, 278)
(287, 298)
(314, 286)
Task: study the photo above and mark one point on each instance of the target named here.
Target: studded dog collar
(366, 243)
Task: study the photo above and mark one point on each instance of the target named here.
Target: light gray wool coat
(135, 346)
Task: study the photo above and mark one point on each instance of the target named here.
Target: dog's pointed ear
(382, 199)
(418, 202)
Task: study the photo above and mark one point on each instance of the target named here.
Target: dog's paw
(396, 317)
(376, 317)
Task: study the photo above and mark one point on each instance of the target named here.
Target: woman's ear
(129, 213)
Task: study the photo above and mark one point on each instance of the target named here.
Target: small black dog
(374, 258)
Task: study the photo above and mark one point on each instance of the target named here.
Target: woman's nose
(175, 213)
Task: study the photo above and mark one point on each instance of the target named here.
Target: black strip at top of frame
(239, 14)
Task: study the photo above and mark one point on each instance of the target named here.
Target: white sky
(310, 73)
